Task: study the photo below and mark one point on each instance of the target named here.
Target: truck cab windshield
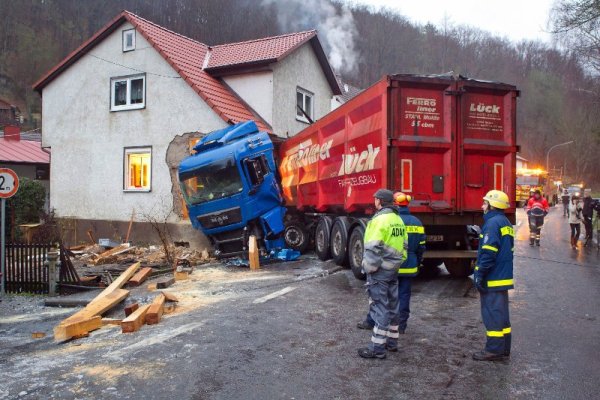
(213, 181)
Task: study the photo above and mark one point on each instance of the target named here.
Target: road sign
(9, 183)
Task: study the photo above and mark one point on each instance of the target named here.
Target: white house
(120, 111)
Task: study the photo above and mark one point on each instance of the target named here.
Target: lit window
(138, 169)
(129, 40)
(304, 105)
(128, 93)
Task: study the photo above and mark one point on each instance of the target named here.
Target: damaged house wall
(88, 141)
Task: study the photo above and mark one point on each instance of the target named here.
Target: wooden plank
(170, 297)
(107, 299)
(37, 335)
(111, 321)
(156, 309)
(77, 328)
(122, 248)
(130, 224)
(165, 283)
(140, 276)
(181, 276)
(131, 308)
(253, 253)
(135, 321)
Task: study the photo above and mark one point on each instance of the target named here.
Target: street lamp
(553, 147)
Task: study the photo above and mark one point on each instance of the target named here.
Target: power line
(133, 69)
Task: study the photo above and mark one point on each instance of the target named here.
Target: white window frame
(127, 151)
(311, 113)
(128, 32)
(128, 105)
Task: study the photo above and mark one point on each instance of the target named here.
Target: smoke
(337, 31)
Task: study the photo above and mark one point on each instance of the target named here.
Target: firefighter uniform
(384, 251)
(494, 277)
(410, 268)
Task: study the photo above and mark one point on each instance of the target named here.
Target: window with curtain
(128, 93)
(138, 169)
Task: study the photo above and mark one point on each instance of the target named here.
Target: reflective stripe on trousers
(382, 287)
(495, 315)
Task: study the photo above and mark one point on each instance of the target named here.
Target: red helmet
(402, 199)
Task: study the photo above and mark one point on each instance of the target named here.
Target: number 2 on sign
(2, 179)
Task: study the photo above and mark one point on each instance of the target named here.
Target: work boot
(392, 348)
(537, 242)
(365, 352)
(364, 325)
(531, 242)
(487, 356)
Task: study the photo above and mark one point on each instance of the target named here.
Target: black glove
(478, 282)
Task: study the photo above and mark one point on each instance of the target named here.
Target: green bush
(28, 203)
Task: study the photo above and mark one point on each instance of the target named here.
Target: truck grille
(221, 218)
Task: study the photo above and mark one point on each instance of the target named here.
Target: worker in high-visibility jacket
(410, 267)
(493, 276)
(385, 244)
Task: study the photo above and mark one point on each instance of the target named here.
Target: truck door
(422, 151)
(486, 137)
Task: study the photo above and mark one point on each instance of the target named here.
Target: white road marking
(273, 295)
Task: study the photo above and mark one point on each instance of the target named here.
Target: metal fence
(25, 268)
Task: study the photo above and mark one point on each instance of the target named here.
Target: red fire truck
(444, 140)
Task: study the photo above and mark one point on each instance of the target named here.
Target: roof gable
(188, 57)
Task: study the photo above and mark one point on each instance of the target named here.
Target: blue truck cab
(231, 189)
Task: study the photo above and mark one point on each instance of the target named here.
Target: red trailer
(445, 140)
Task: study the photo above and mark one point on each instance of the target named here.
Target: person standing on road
(566, 199)
(493, 276)
(537, 209)
(410, 267)
(575, 218)
(384, 252)
(588, 213)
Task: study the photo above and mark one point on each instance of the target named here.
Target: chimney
(12, 132)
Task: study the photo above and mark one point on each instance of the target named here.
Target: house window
(129, 40)
(138, 169)
(128, 93)
(304, 102)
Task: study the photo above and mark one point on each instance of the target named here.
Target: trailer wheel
(339, 241)
(459, 267)
(355, 252)
(322, 238)
(295, 236)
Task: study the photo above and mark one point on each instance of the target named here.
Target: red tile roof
(22, 151)
(266, 50)
(187, 57)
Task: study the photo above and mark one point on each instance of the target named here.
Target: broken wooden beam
(156, 309)
(131, 308)
(77, 328)
(77, 323)
(122, 248)
(140, 276)
(253, 253)
(111, 321)
(135, 321)
(165, 283)
(170, 297)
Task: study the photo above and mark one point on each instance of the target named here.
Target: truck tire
(459, 267)
(295, 236)
(355, 252)
(339, 241)
(322, 238)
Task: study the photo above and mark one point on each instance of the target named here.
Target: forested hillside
(559, 97)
